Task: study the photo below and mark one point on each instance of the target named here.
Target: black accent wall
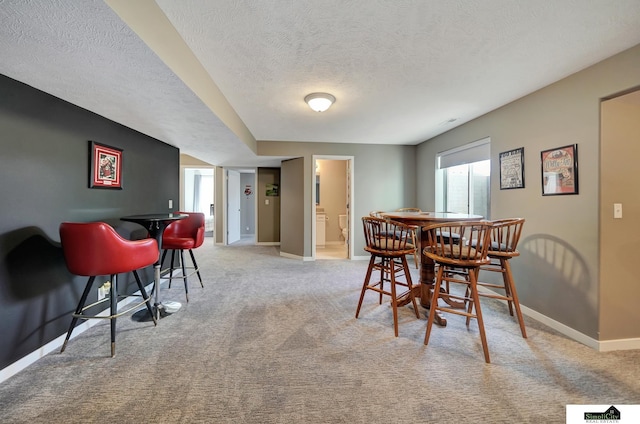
(44, 180)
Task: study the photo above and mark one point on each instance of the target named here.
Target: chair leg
(114, 311)
(171, 267)
(384, 275)
(414, 241)
(394, 302)
(184, 274)
(434, 304)
(472, 290)
(476, 301)
(366, 283)
(145, 297)
(507, 287)
(83, 299)
(514, 296)
(390, 268)
(195, 265)
(410, 286)
(164, 255)
(467, 294)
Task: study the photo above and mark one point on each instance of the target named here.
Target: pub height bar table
(155, 224)
(427, 267)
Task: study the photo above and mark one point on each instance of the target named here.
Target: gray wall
(384, 179)
(268, 230)
(557, 273)
(44, 171)
(292, 221)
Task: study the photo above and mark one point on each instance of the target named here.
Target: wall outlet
(103, 290)
(170, 204)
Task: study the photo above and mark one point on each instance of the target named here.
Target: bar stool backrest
(95, 248)
(470, 250)
(386, 237)
(505, 235)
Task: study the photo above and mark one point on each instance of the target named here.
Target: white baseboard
(619, 344)
(600, 346)
(560, 327)
(29, 359)
(296, 257)
(360, 258)
(56, 343)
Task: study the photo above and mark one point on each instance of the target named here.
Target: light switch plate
(617, 210)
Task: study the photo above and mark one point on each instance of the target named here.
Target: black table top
(155, 223)
(154, 217)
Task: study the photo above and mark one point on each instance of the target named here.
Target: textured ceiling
(212, 77)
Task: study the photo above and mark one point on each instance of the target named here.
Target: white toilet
(342, 223)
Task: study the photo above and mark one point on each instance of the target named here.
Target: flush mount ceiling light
(319, 101)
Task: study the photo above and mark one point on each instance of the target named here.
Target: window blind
(469, 153)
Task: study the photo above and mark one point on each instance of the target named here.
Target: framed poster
(512, 169)
(560, 170)
(105, 166)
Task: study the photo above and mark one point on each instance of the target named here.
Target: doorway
(332, 192)
(240, 220)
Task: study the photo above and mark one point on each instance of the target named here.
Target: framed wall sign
(560, 170)
(272, 190)
(512, 169)
(105, 166)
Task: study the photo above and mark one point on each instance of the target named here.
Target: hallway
(332, 251)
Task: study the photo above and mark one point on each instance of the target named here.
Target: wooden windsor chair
(414, 236)
(505, 234)
(387, 242)
(452, 255)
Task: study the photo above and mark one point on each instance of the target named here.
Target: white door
(233, 206)
(348, 201)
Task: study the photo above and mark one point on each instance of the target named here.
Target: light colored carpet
(274, 340)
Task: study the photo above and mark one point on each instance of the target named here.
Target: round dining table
(427, 266)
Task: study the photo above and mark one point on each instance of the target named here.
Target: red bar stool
(186, 234)
(95, 248)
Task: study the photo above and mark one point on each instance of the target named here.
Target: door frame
(226, 233)
(350, 200)
(225, 200)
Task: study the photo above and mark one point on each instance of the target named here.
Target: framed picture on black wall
(105, 166)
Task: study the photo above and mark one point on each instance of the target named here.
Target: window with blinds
(463, 177)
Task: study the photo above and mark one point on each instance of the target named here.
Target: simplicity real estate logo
(610, 415)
